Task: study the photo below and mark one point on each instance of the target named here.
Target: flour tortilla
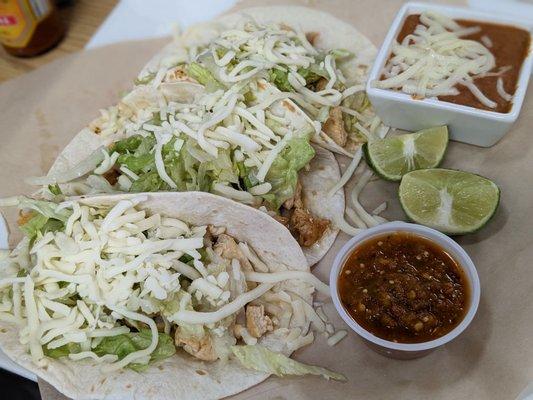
(324, 172)
(181, 374)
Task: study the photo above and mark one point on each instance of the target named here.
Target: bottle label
(19, 18)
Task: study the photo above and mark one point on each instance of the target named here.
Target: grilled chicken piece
(334, 127)
(227, 247)
(306, 228)
(281, 219)
(257, 323)
(201, 348)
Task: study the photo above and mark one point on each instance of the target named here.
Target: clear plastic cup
(406, 350)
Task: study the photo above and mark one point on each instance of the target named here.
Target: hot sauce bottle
(29, 27)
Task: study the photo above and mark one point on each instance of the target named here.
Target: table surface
(83, 17)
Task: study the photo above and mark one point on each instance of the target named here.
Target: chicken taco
(243, 107)
(146, 296)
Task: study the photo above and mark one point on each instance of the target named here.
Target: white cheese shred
(336, 337)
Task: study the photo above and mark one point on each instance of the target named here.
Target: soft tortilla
(325, 172)
(180, 374)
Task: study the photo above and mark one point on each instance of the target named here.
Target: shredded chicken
(111, 176)
(352, 145)
(306, 228)
(211, 234)
(334, 127)
(321, 84)
(227, 247)
(201, 348)
(257, 323)
(281, 219)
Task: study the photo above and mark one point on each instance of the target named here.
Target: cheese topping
(435, 58)
(111, 269)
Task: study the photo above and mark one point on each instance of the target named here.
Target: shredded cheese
(432, 60)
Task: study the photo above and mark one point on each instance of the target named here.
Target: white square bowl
(465, 124)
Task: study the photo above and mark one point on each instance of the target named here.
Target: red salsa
(404, 288)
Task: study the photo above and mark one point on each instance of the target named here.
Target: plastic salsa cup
(407, 350)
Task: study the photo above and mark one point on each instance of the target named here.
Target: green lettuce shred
(261, 359)
(204, 77)
(283, 174)
(63, 351)
(122, 345)
(312, 75)
(55, 189)
(44, 217)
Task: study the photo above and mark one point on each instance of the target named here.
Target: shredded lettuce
(43, 216)
(137, 164)
(46, 208)
(40, 224)
(261, 359)
(280, 79)
(148, 182)
(283, 174)
(55, 189)
(122, 345)
(312, 74)
(127, 145)
(204, 76)
(63, 351)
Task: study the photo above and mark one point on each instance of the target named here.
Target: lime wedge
(450, 201)
(393, 157)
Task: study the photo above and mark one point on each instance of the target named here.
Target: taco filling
(233, 114)
(126, 288)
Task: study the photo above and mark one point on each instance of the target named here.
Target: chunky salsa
(403, 288)
(509, 45)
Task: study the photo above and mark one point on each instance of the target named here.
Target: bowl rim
(455, 12)
(455, 250)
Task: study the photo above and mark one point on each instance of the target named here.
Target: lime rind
(393, 157)
(453, 202)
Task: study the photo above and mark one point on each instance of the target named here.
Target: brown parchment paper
(493, 359)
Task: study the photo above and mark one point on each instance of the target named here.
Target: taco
(146, 296)
(243, 107)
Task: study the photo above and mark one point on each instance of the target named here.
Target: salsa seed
(362, 265)
(380, 243)
(365, 290)
(418, 326)
(411, 294)
(361, 307)
(391, 282)
(347, 272)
